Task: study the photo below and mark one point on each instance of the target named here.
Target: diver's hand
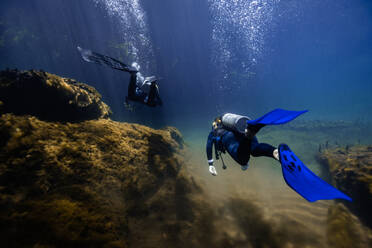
(212, 170)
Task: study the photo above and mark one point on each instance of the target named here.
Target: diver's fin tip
(347, 198)
(302, 180)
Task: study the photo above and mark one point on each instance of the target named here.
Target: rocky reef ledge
(91, 184)
(49, 97)
(351, 170)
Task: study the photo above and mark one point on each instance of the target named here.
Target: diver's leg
(152, 94)
(153, 97)
(261, 149)
(134, 92)
(132, 85)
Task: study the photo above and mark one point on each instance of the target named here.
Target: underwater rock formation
(344, 229)
(49, 97)
(89, 184)
(351, 170)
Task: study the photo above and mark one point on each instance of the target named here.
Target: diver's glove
(212, 170)
(276, 154)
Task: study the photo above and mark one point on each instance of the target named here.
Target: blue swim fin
(276, 117)
(304, 181)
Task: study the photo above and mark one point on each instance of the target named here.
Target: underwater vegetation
(71, 177)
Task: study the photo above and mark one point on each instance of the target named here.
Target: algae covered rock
(176, 135)
(344, 230)
(49, 97)
(351, 170)
(96, 183)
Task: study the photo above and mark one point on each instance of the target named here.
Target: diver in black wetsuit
(136, 90)
(239, 145)
(136, 94)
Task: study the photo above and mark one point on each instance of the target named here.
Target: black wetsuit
(138, 95)
(134, 93)
(237, 145)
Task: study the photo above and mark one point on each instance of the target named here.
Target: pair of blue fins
(295, 173)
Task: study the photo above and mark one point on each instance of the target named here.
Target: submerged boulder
(49, 97)
(96, 183)
(351, 170)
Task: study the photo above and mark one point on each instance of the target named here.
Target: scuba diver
(140, 89)
(137, 93)
(236, 134)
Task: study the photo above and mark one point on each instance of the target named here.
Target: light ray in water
(239, 29)
(133, 28)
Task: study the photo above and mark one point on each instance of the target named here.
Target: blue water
(214, 56)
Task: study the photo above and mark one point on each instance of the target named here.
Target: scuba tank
(237, 123)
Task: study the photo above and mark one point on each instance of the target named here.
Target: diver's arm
(210, 142)
(209, 148)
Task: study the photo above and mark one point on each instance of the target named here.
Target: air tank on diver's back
(237, 123)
